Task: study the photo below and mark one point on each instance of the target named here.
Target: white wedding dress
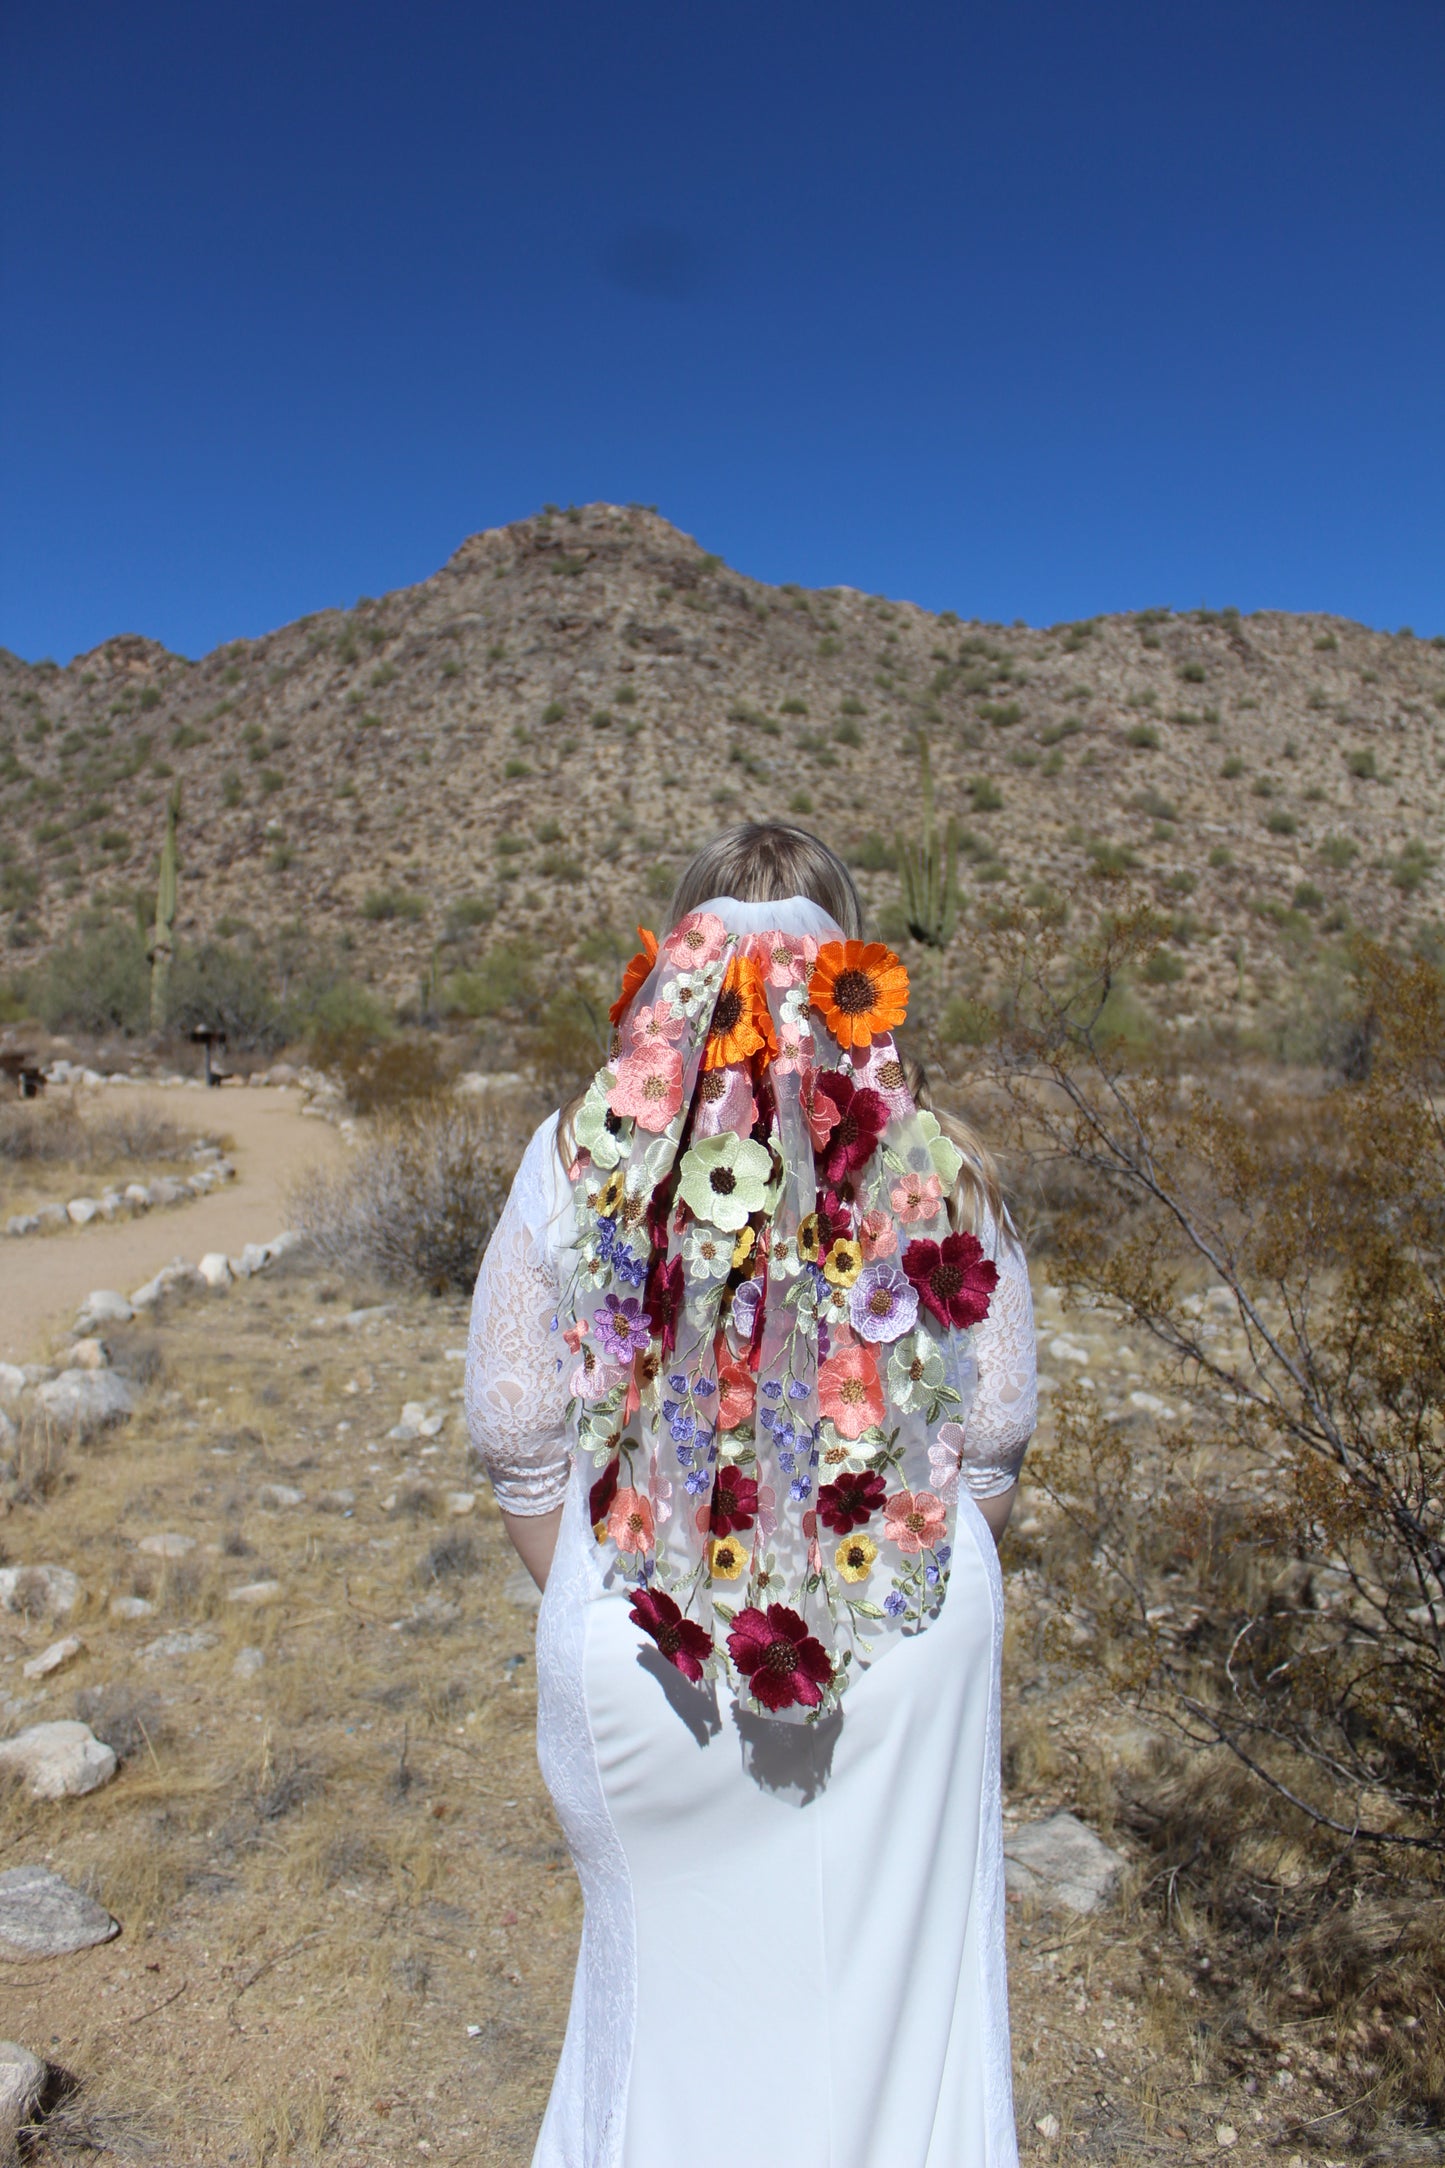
(793, 1943)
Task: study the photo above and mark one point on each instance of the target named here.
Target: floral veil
(770, 1316)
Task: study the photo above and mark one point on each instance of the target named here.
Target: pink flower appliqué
(795, 1050)
(917, 1197)
(914, 1520)
(884, 1073)
(630, 1522)
(849, 1391)
(877, 1235)
(658, 1022)
(724, 1101)
(649, 1085)
(785, 959)
(696, 940)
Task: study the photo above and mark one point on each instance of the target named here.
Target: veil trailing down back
(770, 1312)
(733, 1322)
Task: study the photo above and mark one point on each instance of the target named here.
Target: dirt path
(44, 1278)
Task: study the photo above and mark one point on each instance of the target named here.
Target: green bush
(1143, 737)
(98, 981)
(1003, 715)
(330, 1006)
(1362, 766)
(872, 853)
(1339, 852)
(847, 732)
(1192, 673)
(384, 904)
(228, 988)
(1221, 856)
(1280, 823)
(986, 795)
(502, 980)
(1163, 968)
(1233, 767)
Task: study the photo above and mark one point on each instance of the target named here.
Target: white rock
(88, 1354)
(82, 1210)
(290, 1238)
(106, 1306)
(137, 1196)
(55, 1658)
(1047, 2126)
(53, 1216)
(62, 1760)
(186, 1642)
(82, 1402)
(1060, 1861)
(252, 1259)
(22, 1223)
(354, 1320)
(12, 1384)
(248, 1662)
(38, 1591)
(166, 1544)
(129, 1607)
(255, 1593)
(42, 1916)
(8, 1432)
(1151, 1404)
(336, 1501)
(166, 1189)
(1065, 1351)
(280, 1494)
(22, 2081)
(460, 1502)
(215, 1269)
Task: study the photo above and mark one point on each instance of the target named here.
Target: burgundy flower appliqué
(850, 1500)
(734, 1502)
(955, 1281)
(682, 1641)
(853, 1139)
(779, 1658)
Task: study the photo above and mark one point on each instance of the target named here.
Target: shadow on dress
(792, 1760)
(696, 1705)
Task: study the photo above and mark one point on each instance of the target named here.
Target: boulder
(82, 1402)
(42, 1916)
(12, 1384)
(105, 1306)
(137, 1196)
(167, 1544)
(279, 1246)
(166, 1189)
(22, 1223)
(82, 1210)
(62, 1760)
(252, 1259)
(52, 1216)
(55, 1658)
(1059, 1861)
(22, 2081)
(88, 1354)
(255, 1593)
(131, 1607)
(215, 1269)
(9, 1435)
(280, 1495)
(39, 1591)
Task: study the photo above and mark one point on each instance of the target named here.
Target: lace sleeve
(1005, 1408)
(516, 1379)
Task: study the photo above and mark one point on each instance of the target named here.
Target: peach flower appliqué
(849, 1391)
(630, 1522)
(649, 1085)
(914, 1520)
(698, 939)
(877, 1235)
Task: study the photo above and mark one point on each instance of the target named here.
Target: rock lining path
(43, 1280)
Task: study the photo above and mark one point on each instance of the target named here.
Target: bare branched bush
(416, 1205)
(38, 1132)
(1267, 1578)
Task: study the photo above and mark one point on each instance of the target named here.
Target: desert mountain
(521, 750)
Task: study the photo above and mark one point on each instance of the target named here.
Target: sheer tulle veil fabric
(769, 1318)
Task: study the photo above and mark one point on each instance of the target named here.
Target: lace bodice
(516, 1381)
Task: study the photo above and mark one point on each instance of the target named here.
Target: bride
(751, 1368)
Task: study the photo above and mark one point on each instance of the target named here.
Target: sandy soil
(44, 1278)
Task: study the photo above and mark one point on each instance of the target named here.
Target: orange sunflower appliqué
(860, 989)
(635, 976)
(741, 1025)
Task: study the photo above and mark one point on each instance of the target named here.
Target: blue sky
(1025, 310)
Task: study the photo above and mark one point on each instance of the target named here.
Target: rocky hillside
(522, 749)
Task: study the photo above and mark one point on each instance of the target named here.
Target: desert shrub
(380, 1076)
(1362, 765)
(1281, 823)
(384, 904)
(1143, 737)
(1267, 1582)
(985, 794)
(330, 1004)
(502, 980)
(1163, 968)
(97, 981)
(227, 987)
(56, 1130)
(873, 853)
(417, 1203)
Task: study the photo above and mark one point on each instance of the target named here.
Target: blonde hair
(766, 862)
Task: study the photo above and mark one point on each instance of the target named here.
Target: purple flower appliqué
(884, 1302)
(622, 1326)
(745, 1308)
(894, 1604)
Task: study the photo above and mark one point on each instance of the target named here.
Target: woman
(752, 1371)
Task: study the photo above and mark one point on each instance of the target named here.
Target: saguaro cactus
(928, 866)
(162, 945)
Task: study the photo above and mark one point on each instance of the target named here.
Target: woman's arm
(997, 1509)
(1005, 1406)
(534, 1538)
(516, 1380)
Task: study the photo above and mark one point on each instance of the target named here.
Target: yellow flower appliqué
(727, 1558)
(843, 1264)
(854, 1557)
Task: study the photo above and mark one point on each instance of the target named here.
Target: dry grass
(55, 1147)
